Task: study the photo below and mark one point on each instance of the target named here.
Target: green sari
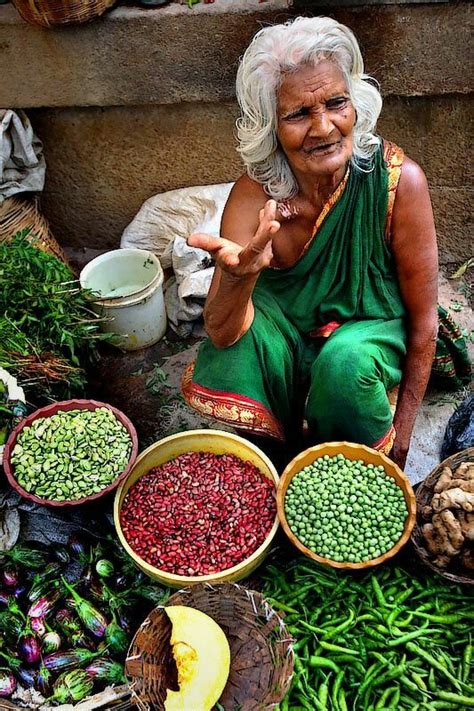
(328, 339)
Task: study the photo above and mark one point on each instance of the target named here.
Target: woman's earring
(355, 122)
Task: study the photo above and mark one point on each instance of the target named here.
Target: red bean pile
(199, 513)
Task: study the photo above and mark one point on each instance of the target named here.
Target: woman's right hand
(243, 261)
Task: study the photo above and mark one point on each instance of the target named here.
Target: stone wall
(142, 101)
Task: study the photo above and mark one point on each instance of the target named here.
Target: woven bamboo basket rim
(424, 495)
(351, 451)
(17, 214)
(183, 580)
(261, 648)
(48, 13)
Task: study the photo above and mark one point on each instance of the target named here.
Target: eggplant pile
(67, 617)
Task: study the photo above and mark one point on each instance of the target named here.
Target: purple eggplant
(50, 643)
(4, 597)
(72, 686)
(44, 581)
(116, 638)
(43, 605)
(18, 590)
(80, 639)
(38, 625)
(10, 577)
(87, 580)
(64, 616)
(69, 659)
(120, 582)
(7, 683)
(97, 589)
(61, 554)
(29, 648)
(78, 547)
(106, 669)
(124, 621)
(44, 681)
(26, 676)
(10, 627)
(28, 555)
(90, 616)
(104, 568)
(73, 632)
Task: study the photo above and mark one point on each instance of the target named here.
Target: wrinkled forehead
(310, 80)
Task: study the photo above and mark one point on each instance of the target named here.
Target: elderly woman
(325, 289)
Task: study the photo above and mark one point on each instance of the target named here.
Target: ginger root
(463, 478)
(447, 525)
(444, 481)
(465, 471)
(434, 545)
(453, 499)
(466, 521)
(443, 537)
(464, 484)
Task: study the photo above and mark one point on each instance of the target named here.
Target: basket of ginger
(443, 535)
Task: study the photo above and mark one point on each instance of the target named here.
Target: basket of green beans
(346, 505)
(70, 453)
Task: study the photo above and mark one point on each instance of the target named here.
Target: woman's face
(315, 119)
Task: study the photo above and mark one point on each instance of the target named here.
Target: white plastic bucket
(128, 292)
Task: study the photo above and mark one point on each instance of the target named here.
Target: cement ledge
(133, 56)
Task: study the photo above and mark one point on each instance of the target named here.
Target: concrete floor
(146, 386)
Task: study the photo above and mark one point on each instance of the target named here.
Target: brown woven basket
(424, 495)
(20, 213)
(48, 13)
(261, 649)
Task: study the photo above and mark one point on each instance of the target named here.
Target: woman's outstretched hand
(243, 261)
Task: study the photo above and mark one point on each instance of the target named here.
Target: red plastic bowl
(49, 411)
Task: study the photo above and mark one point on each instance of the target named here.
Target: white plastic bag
(162, 226)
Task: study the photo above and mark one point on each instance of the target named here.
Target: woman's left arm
(416, 257)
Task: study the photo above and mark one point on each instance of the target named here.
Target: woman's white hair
(285, 48)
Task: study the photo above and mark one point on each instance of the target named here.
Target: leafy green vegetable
(47, 331)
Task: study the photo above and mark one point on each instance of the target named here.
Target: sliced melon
(202, 655)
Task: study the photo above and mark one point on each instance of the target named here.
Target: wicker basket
(18, 214)
(424, 495)
(48, 13)
(261, 650)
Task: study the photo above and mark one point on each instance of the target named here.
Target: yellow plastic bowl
(216, 442)
(350, 451)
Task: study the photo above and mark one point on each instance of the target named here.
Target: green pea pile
(71, 454)
(345, 510)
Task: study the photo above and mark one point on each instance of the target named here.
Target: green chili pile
(385, 640)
